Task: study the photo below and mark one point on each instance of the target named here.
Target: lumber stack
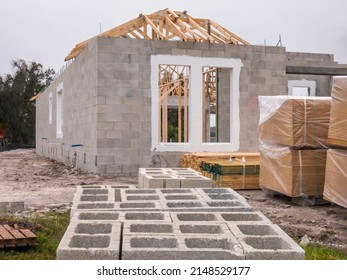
(235, 170)
(335, 188)
(293, 135)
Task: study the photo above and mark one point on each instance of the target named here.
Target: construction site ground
(46, 185)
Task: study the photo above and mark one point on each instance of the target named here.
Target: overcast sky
(46, 30)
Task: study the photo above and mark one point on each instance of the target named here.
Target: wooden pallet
(10, 237)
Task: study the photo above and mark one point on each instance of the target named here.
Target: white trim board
(195, 143)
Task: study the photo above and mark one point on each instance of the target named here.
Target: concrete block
(16, 206)
(220, 193)
(149, 247)
(195, 181)
(4, 207)
(90, 241)
(266, 241)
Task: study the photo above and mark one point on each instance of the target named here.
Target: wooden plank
(30, 237)
(8, 239)
(20, 239)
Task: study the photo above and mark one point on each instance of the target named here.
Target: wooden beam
(203, 31)
(176, 29)
(154, 28)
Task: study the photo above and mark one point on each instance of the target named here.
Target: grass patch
(320, 252)
(49, 230)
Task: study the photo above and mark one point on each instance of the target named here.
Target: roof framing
(168, 25)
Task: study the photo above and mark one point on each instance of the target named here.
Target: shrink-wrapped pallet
(292, 172)
(337, 135)
(335, 188)
(294, 121)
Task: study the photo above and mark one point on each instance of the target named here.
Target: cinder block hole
(268, 243)
(196, 217)
(93, 228)
(224, 203)
(91, 187)
(117, 196)
(217, 191)
(175, 191)
(144, 216)
(257, 230)
(151, 228)
(120, 187)
(241, 217)
(148, 242)
(95, 206)
(98, 216)
(137, 205)
(143, 197)
(94, 198)
(200, 229)
(180, 197)
(154, 173)
(192, 176)
(208, 243)
(139, 191)
(89, 241)
(97, 191)
(222, 196)
(160, 176)
(153, 169)
(183, 204)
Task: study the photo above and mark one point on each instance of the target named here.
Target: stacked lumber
(337, 135)
(292, 172)
(235, 170)
(293, 134)
(335, 188)
(294, 121)
(16, 237)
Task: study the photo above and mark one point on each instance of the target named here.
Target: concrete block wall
(323, 83)
(79, 114)
(107, 101)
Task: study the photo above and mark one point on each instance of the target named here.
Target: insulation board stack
(335, 188)
(293, 136)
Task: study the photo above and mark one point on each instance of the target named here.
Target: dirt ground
(43, 183)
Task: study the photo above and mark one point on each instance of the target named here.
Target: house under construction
(161, 85)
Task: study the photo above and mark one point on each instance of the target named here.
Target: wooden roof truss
(169, 25)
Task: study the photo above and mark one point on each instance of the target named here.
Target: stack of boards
(293, 137)
(335, 188)
(235, 170)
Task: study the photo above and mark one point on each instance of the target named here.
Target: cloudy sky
(46, 30)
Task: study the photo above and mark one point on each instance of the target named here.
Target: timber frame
(168, 25)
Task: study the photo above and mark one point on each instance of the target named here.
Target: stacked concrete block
(91, 241)
(172, 241)
(12, 207)
(265, 241)
(123, 222)
(172, 178)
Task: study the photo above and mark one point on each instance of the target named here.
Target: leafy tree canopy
(17, 112)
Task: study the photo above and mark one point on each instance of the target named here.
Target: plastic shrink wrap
(335, 188)
(292, 172)
(337, 135)
(294, 121)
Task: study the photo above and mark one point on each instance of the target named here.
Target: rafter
(166, 25)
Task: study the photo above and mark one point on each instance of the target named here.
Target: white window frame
(196, 64)
(59, 111)
(302, 83)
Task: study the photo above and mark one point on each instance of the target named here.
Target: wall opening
(59, 111)
(302, 88)
(183, 102)
(173, 103)
(50, 108)
(216, 104)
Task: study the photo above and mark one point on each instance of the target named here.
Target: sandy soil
(41, 183)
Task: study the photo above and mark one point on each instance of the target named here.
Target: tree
(17, 112)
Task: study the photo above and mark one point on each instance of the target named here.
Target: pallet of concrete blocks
(294, 121)
(292, 172)
(335, 188)
(172, 178)
(337, 135)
